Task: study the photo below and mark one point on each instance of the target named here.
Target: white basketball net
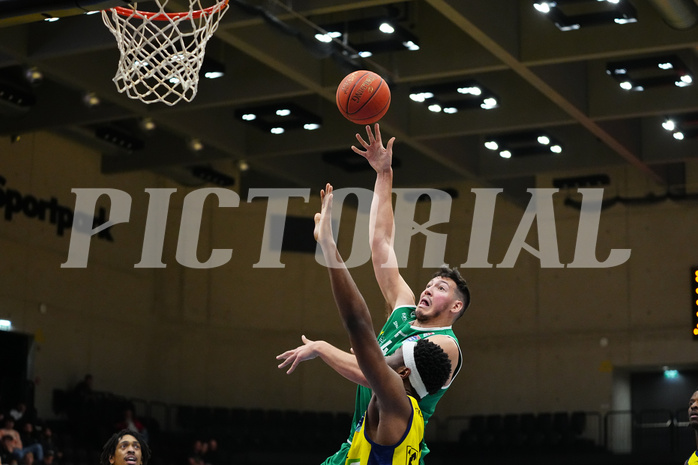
(162, 53)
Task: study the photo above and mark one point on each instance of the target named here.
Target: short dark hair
(462, 290)
(433, 365)
(109, 448)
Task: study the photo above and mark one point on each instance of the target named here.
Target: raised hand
(380, 158)
(294, 357)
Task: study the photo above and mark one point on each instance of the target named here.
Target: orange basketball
(363, 97)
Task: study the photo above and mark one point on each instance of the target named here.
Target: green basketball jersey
(397, 330)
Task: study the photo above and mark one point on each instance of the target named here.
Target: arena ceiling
(547, 76)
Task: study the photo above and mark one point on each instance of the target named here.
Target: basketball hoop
(161, 52)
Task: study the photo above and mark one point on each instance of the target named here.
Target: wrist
(319, 348)
(385, 171)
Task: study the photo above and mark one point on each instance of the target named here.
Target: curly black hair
(109, 448)
(462, 290)
(433, 365)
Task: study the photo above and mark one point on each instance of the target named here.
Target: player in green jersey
(440, 304)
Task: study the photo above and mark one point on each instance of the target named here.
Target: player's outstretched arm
(381, 224)
(394, 407)
(340, 361)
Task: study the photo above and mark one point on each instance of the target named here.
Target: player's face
(693, 411)
(436, 299)
(128, 452)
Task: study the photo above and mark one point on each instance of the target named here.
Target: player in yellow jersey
(392, 428)
(693, 422)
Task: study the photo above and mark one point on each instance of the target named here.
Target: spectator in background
(83, 396)
(7, 456)
(131, 423)
(49, 458)
(18, 412)
(48, 443)
(27, 453)
(28, 434)
(83, 389)
(212, 454)
(196, 455)
(83, 410)
(693, 423)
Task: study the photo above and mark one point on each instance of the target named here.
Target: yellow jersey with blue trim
(693, 459)
(406, 451)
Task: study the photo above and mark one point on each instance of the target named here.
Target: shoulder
(449, 345)
(402, 314)
(446, 342)
(404, 309)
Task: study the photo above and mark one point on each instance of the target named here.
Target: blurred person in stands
(18, 412)
(28, 434)
(7, 456)
(27, 453)
(212, 454)
(49, 443)
(196, 453)
(131, 423)
(693, 423)
(49, 458)
(83, 411)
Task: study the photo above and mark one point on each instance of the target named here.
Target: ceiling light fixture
(279, 118)
(118, 137)
(372, 35)
(17, 96)
(243, 166)
(212, 176)
(576, 182)
(451, 97)
(34, 76)
(327, 37)
(212, 69)
(570, 15)
(147, 124)
(523, 144)
(643, 73)
(90, 99)
(386, 28)
(195, 144)
(682, 126)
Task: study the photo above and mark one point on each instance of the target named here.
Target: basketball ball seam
(364, 103)
(345, 105)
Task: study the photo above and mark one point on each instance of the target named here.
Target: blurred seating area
(270, 437)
